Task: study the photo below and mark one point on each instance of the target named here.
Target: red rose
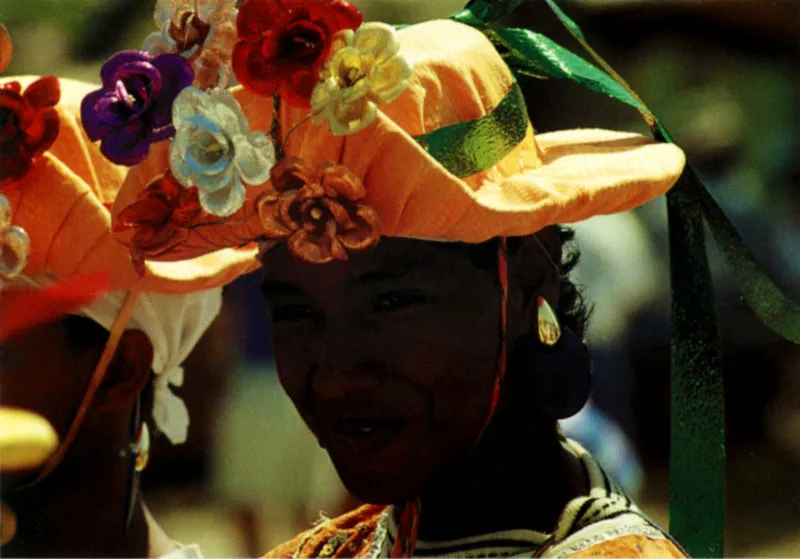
(284, 43)
(161, 218)
(318, 212)
(28, 125)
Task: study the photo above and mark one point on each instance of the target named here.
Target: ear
(535, 268)
(128, 373)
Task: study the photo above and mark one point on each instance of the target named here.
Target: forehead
(393, 258)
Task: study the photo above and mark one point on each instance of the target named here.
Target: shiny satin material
(470, 147)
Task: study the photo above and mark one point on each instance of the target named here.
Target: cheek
(295, 355)
(45, 383)
(453, 356)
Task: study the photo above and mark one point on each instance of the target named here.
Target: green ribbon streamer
(771, 305)
(697, 403)
(469, 147)
(697, 456)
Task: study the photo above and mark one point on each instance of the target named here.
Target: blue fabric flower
(215, 151)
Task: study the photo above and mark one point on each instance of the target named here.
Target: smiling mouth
(365, 435)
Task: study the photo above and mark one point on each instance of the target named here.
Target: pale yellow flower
(365, 69)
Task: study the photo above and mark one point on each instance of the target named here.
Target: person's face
(389, 357)
(41, 371)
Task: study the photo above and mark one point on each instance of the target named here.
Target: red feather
(23, 308)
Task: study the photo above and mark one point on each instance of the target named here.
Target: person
(416, 275)
(109, 367)
(27, 439)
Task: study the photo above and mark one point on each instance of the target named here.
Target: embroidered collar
(604, 499)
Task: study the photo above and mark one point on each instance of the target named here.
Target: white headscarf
(174, 324)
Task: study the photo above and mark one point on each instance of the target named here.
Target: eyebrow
(385, 275)
(271, 288)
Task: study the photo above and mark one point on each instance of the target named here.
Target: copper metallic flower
(318, 212)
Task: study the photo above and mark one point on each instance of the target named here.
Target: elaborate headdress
(57, 190)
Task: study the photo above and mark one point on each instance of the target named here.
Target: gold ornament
(549, 329)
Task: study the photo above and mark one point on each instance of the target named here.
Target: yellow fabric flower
(365, 69)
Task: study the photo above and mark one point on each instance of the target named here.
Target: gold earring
(547, 322)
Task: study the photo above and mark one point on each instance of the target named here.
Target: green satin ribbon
(469, 147)
(697, 454)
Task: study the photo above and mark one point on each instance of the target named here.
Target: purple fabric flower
(134, 107)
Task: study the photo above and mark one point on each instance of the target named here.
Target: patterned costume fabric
(604, 522)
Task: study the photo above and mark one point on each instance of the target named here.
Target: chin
(386, 487)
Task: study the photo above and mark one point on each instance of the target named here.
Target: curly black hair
(573, 310)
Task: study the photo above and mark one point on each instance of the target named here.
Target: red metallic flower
(28, 125)
(318, 212)
(284, 43)
(161, 218)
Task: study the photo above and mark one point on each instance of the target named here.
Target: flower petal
(338, 180)
(314, 249)
(44, 92)
(128, 145)
(223, 202)
(109, 71)
(377, 39)
(96, 114)
(226, 112)
(216, 182)
(253, 71)
(177, 164)
(187, 104)
(389, 80)
(177, 74)
(290, 173)
(267, 211)
(255, 156)
(366, 232)
(349, 118)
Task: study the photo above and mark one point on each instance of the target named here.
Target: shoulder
(627, 535)
(349, 535)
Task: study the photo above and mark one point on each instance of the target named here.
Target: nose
(346, 365)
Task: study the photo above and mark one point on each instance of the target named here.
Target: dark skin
(78, 510)
(391, 357)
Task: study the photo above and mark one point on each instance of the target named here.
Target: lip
(364, 436)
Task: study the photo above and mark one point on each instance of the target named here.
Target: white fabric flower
(205, 37)
(215, 151)
(173, 324)
(169, 411)
(365, 69)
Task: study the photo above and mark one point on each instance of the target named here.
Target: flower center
(209, 152)
(352, 69)
(128, 98)
(300, 41)
(316, 213)
(9, 125)
(188, 30)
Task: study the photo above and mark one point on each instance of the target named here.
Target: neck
(79, 510)
(518, 476)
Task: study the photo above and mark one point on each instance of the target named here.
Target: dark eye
(285, 313)
(398, 300)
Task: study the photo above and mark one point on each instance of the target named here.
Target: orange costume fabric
(352, 535)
